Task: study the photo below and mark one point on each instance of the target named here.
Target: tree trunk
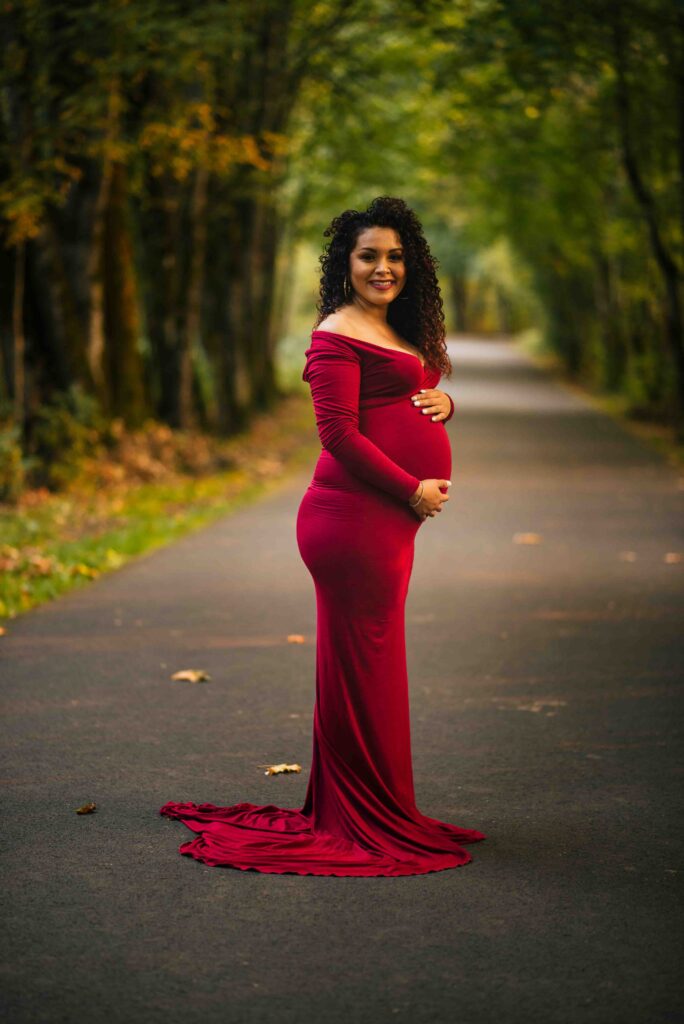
(671, 276)
(18, 336)
(95, 271)
(190, 336)
(122, 318)
(95, 267)
(459, 298)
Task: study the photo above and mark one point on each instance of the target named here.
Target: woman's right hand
(432, 498)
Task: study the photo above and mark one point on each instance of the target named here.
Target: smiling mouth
(382, 285)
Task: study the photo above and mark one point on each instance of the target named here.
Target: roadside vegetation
(136, 491)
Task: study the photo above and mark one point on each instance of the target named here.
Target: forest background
(167, 169)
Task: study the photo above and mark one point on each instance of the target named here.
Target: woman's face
(376, 266)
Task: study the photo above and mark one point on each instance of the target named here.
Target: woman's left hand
(432, 401)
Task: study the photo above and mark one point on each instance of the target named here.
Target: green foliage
(204, 145)
(549, 108)
(501, 123)
(66, 430)
(12, 463)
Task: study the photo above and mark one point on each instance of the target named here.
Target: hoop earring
(347, 288)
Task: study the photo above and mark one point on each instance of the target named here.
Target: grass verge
(53, 542)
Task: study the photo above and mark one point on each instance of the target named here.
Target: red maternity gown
(355, 534)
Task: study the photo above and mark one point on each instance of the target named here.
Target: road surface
(545, 658)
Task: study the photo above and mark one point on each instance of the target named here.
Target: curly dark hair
(417, 314)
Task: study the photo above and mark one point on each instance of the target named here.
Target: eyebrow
(370, 248)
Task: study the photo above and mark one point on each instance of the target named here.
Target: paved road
(544, 707)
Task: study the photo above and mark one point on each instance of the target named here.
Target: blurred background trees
(168, 169)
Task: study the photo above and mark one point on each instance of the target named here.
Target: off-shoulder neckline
(372, 344)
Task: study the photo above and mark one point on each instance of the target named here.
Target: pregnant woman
(375, 358)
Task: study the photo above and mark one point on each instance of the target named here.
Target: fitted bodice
(388, 374)
(367, 387)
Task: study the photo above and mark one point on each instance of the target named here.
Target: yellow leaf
(85, 570)
(278, 769)
(191, 675)
(295, 638)
(527, 538)
(86, 809)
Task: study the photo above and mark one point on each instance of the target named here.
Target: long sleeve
(334, 375)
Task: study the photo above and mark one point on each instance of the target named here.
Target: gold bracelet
(419, 497)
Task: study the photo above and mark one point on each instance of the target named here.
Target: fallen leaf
(527, 538)
(627, 556)
(2, 630)
(295, 638)
(191, 675)
(85, 570)
(278, 769)
(86, 809)
(672, 558)
(42, 565)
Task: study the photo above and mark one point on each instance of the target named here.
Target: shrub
(63, 433)
(12, 463)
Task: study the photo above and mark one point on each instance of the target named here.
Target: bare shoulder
(334, 322)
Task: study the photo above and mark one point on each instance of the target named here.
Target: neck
(368, 310)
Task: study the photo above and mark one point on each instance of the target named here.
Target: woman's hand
(432, 498)
(432, 400)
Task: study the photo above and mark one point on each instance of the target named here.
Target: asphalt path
(545, 690)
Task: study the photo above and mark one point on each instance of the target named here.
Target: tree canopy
(161, 163)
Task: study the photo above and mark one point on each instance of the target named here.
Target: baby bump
(417, 443)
